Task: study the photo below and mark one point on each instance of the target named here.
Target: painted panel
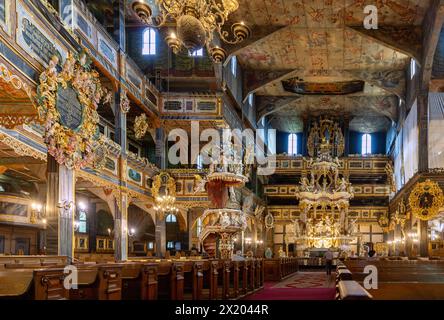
(107, 50)
(32, 37)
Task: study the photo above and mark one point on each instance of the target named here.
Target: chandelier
(196, 23)
(166, 204)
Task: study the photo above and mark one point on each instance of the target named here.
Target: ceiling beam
(266, 105)
(392, 81)
(404, 39)
(255, 80)
(432, 26)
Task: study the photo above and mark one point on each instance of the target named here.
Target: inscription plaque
(69, 107)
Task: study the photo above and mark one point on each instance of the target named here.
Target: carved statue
(225, 220)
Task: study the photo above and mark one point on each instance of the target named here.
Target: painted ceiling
(319, 41)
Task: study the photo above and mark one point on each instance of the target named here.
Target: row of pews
(45, 278)
(280, 268)
(395, 279)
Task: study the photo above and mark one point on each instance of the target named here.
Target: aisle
(301, 286)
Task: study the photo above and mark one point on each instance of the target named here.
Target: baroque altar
(324, 194)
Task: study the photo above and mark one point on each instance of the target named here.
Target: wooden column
(161, 148)
(423, 239)
(60, 209)
(121, 227)
(67, 203)
(51, 211)
(160, 236)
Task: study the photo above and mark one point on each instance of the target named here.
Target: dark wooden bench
(352, 290)
(27, 284)
(100, 282)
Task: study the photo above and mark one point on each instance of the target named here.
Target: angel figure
(225, 220)
(200, 184)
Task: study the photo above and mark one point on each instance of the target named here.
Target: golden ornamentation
(390, 176)
(141, 126)
(426, 199)
(196, 22)
(73, 147)
(15, 81)
(124, 102)
(21, 148)
(12, 121)
(326, 134)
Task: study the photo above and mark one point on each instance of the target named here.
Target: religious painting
(110, 244)
(179, 187)
(206, 106)
(314, 88)
(13, 209)
(189, 186)
(22, 246)
(134, 176)
(110, 165)
(101, 244)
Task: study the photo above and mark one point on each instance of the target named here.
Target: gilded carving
(141, 126)
(67, 103)
(124, 102)
(426, 199)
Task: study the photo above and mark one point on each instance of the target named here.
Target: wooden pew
(32, 262)
(170, 280)
(351, 290)
(27, 284)
(193, 280)
(403, 280)
(139, 281)
(101, 282)
(280, 268)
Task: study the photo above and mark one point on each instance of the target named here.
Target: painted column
(121, 227)
(423, 127)
(423, 238)
(121, 197)
(67, 205)
(160, 148)
(51, 239)
(160, 236)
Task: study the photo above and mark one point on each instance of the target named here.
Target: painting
(189, 187)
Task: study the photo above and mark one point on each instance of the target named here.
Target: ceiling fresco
(321, 44)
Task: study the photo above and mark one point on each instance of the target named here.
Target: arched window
(250, 99)
(149, 42)
(171, 218)
(292, 144)
(366, 144)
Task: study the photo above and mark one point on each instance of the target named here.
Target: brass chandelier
(196, 23)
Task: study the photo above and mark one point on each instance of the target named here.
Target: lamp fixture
(166, 204)
(196, 22)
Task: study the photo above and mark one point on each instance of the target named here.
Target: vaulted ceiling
(322, 43)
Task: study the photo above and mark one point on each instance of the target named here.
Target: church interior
(221, 150)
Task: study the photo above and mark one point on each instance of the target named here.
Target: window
(82, 222)
(150, 245)
(234, 66)
(149, 42)
(197, 53)
(412, 68)
(199, 162)
(199, 226)
(292, 144)
(366, 144)
(178, 246)
(250, 99)
(171, 218)
(170, 245)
